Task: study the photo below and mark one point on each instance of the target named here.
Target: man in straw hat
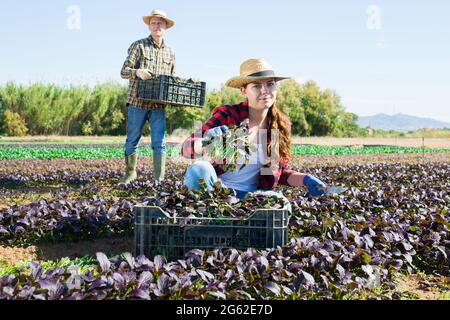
(266, 124)
(147, 57)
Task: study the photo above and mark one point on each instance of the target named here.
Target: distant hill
(400, 122)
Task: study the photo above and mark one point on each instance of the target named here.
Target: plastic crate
(172, 90)
(157, 233)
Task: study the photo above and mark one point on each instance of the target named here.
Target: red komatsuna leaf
(163, 282)
(340, 270)
(97, 284)
(158, 262)
(194, 257)
(130, 260)
(368, 240)
(264, 262)
(36, 270)
(309, 279)
(217, 294)
(273, 287)
(8, 292)
(112, 211)
(4, 233)
(145, 279)
(143, 261)
(140, 294)
(236, 285)
(408, 257)
(445, 251)
(26, 293)
(406, 245)
(210, 260)
(119, 281)
(206, 276)
(103, 261)
(182, 263)
(367, 269)
(54, 288)
(129, 277)
(39, 296)
(325, 281)
(397, 264)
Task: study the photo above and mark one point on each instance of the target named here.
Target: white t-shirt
(247, 178)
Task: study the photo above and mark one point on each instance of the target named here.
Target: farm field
(66, 232)
(321, 141)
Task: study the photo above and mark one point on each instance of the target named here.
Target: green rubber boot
(159, 167)
(130, 171)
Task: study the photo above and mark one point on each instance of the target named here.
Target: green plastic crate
(157, 233)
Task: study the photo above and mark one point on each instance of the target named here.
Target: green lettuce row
(173, 151)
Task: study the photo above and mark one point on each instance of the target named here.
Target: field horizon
(296, 140)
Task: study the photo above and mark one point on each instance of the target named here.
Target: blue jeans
(204, 170)
(136, 121)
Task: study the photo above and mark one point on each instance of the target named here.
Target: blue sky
(394, 60)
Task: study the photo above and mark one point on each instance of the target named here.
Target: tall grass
(49, 109)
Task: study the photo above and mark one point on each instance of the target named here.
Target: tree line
(47, 109)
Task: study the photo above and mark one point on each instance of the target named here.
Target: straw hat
(160, 14)
(253, 70)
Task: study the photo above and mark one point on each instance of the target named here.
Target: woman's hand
(210, 134)
(315, 186)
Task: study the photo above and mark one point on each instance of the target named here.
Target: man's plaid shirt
(145, 54)
(235, 114)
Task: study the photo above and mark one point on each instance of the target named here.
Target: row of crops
(81, 151)
(393, 220)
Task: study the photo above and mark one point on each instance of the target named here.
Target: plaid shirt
(235, 114)
(145, 54)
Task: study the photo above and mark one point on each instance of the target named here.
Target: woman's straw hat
(253, 70)
(160, 14)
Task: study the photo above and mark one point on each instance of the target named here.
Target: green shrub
(13, 124)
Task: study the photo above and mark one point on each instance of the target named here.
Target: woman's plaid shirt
(235, 114)
(145, 54)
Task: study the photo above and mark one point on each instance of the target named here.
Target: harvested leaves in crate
(219, 202)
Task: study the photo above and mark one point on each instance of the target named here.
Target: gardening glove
(315, 186)
(210, 134)
(143, 74)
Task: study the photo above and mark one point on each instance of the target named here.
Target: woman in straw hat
(258, 83)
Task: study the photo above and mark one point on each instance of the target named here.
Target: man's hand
(143, 74)
(210, 134)
(315, 186)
